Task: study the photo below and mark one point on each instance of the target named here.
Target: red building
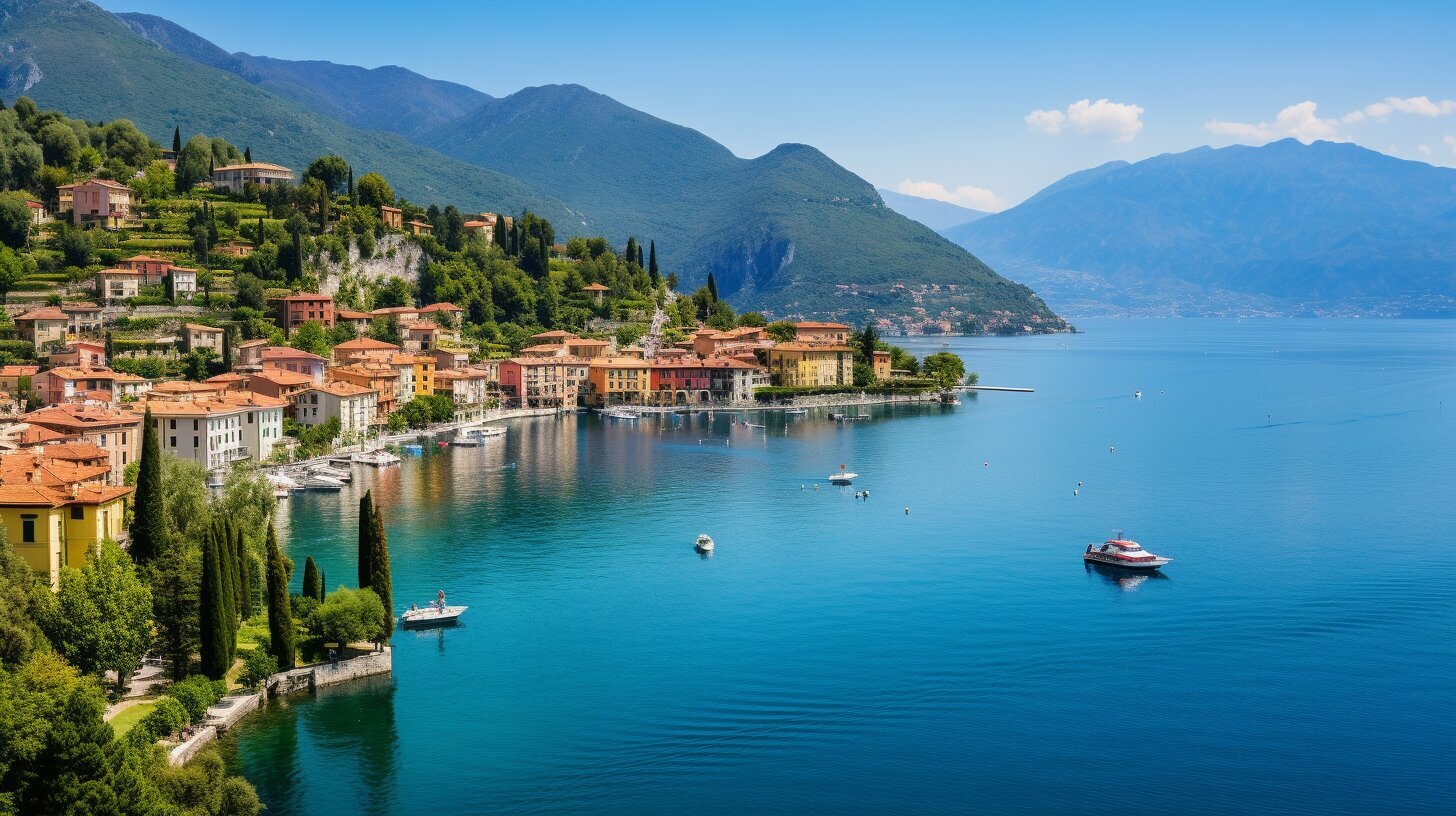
(296, 310)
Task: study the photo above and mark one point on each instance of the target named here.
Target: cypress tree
(640, 265)
(381, 581)
(148, 526)
(227, 609)
(258, 241)
(176, 141)
(245, 574)
(352, 198)
(652, 270)
(248, 155)
(310, 578)
(323, 207)
(712, 288)
(227, 356)
(499, 235)
(280, 612)
(366, 539)
(631, 254)
(297, 256)
(323, 585)
(213, 623)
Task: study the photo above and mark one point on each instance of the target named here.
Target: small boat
(376, 458)
(796, 411)
(618, 413)
(332, 473)
(843, 477)
(431, 615)
(413, 449)
(490, 432)
(704, 544)
(320, 482)
(467, 439)
(1137, 394)
(838, 417)
(1124, 553)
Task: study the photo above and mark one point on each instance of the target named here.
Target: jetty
(1010, 388)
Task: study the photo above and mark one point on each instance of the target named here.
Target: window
(78, 512)
(174, 425)
(250, 417)
(194, 441)
(174, 442)
(27, 529)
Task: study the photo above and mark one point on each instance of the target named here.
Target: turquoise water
(842, 656)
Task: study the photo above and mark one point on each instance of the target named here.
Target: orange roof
(147, 259)
(252, 166)
(226, 377)
(595, 287)
(441, 307)
(198, 327)
(250, 343)
(278, 376)
(76, 451)
(342, 389)
(815, 324)
(70, 373)
(37, 435)
(118, 273)
(289, 353)
(543, 348)
(187, 387)
(43, 313)
(387, 208)
(102, 182)
(304, 297)
(19, 371)
(586, 341)
(552, 335)
(366, 344)
(79, 417)
(80, 307)
(225, 403)
(420, 325)
(34, 495)
(394, 310)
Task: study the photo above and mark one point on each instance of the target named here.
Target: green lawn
(123, 722)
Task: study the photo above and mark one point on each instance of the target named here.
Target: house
(100, 202)
(15, 379)
(400, 314)
(114, 431)
(295, 310)
(285, 358)
(152, 269)
(279, 384)
(358, 321)
(811, 331)
(554, 337)
(250, 355)
(228, 381)
(65, 195)
(391, 217)
(79, 354)
(416, 375)
(65, 384)
(355, 406)
(810, 365)
(597, 291)
(445, 314)
(217, 431)
(38, 214)
(539, 382)
(447, 359)
(473, 390)
(364, 349)
(43, 326)
(423, 335)
(230, 179)
(586, 348)
(53, 523)
(420, 228)
(234, 249)
(188, 390)
(381, 378)
(115, 286)
(196, 336)
(619, 381)
(85, 318)
(881, 366)
(184, 282)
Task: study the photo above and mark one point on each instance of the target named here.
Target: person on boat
(441, 600)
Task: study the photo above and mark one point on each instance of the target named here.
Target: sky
(978, 104)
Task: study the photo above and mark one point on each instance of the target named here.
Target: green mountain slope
(389, 99)
(1282, 228)
(81, 59)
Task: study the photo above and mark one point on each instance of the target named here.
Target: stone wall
(184, 753)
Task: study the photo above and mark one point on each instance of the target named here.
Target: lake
(845, 656)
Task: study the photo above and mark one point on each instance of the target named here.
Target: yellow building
(882, 366)
(52, 528)
(806, 365)
(619, 381)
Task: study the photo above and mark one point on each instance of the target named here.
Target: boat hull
(425, 619)
(1135, 566)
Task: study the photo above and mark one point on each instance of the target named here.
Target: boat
(704, 543)
(796, 411)
(618, 413)
(376, 458)
(1137, 394)
(319, 482)
(413, 448)
(838, 417)
(843, 477)
(466, 439)
(331, 472)
(431, 615)
(1124, 553)
(490, 432)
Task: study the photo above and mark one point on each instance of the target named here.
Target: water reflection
(355, 723)
(1124, 579)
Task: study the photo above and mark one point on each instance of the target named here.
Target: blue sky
(983, 105)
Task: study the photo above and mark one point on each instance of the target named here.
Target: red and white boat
(1124, 553)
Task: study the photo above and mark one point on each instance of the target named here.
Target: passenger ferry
(1124, 553)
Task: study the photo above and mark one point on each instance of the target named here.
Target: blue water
(839, 656)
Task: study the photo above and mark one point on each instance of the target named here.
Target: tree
(12, 269)
(258, 666)
(296, 226)
(781, 331)
(175, 579)
(654, 275)
(58, 144)
(712, 287)
(348, 616)
(193, 163)
(20, 633)
(868, 343)
(945, 367)
(310, 579)
(330, 169)
(248, 155)
(366, 538)
(76, 247)
(176, 141)
(374, 191)
(310, 337)
(101, 616)
(14, 221)
(630, 255)
(148, 527)
(213, 614)
(380, 579)
(280, 610)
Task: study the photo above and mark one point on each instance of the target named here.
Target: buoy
(1079, 484)
(1074, 491)
(985, 464)
(867, 494)
(907, 511)
(1110, 449)
(801, 487)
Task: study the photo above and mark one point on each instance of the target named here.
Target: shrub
(196, 694)
(166, 719)
(258, 666)
(348, 616)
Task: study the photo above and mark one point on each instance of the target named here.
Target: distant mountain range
(1286, 228)
(938, 215)
(790, 231)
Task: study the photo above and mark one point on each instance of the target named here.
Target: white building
(216, 431)
(354, 405)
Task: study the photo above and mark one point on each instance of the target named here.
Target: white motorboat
(467, 439)
(318, 481)
(843, 477)
(795, 411)
(331, 472)
(704, 544)
(431, 615)
(618, 413)
(376, 458)
(490, 432)
(1123, 553)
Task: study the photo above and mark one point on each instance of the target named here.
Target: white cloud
(1103, 119)
(1046, 121)
(977, 198)
(1450, 141)
(1425, 150)
(1299, 121)
(1414, 105)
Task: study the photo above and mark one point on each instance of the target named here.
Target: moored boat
(1123, 553)
(704, 543)
(431, 615)
(376, 458)
(843, 477)
(317, 481)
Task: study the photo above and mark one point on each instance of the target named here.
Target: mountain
(389, 99)
(1285, 228)
(81, 59)
(790, 232)
(938, 215)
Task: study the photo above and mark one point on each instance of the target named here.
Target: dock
(1012, 389)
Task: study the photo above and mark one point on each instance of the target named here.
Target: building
(356, 407)
(416, 375)
(100, 202)
(115, 286)
(114, 431)
(882, 366)
(79, 354)
(391, 217)
(184, 282)
(360, 322)
(424, 335)
(283, 385)
(450, 358)
(196, 336)
(597, 291)
(85, 318)
(152, 269)
(43, 326)
(364, 349)
(420, 228)
(297, 361)
(586, 348)
(250, 355)
(15, 379)
(619, 381)
(811, 331)
(65, 384)
(295, 310)
(54, 523)
(381, 378)
(473, 390)
(399, 314)
(38, 213)
(809, 365)
(540, 382)
(218, 431)
(445, 314)
(230, 179)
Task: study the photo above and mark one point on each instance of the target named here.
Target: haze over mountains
(938, 215)
(790, 231)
